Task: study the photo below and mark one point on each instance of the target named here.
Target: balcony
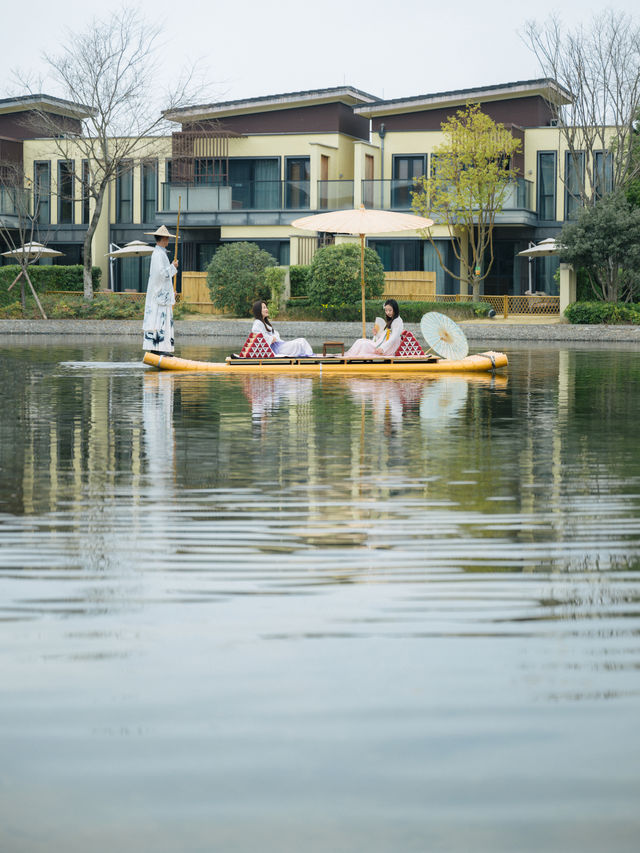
(238, 196)
(391, 194)
(335, 195)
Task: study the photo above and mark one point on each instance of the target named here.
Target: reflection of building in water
(79, 433)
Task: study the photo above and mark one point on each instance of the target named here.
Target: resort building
(244, 170)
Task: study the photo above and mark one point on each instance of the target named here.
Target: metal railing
(238, 195)
(393, 194)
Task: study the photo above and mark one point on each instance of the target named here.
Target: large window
(602, 173)
(124, 193)
(65, 191)
(573, 183)
(86, 178)
(298, 172)
(547, 185)
(405, 169)
(42, 191)
(255, 183)
(149, 190)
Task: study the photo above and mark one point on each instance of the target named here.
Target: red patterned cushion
(408, 345)
(256, 346)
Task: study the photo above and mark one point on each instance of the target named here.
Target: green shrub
(236, 277)
(12, 311)
(66, 278)
(603, 312)
(334, 276)
(274, 279)
(299, 279)
(411, 312)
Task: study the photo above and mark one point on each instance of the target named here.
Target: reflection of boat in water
(266, 393)
(436, 397)
(335, 365)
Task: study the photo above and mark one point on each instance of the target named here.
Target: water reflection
(391, 583)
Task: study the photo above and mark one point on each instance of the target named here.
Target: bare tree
(19, 208)
(600, 66)
(112, 71)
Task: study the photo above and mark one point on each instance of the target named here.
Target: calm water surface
(302, 614)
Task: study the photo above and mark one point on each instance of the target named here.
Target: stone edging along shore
(489, 332)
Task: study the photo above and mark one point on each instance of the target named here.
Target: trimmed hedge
(104, 306)
(299, 278)
(411, 312)
(55, 277)
(591, 313)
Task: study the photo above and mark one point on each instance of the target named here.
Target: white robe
(157, 325)
(385, 340)
(290, 349)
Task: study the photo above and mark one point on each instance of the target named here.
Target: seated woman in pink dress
(297, 348)
(386, 335)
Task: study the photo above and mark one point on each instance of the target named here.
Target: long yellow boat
(335, 364)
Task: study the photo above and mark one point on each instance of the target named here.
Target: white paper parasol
(443, 335)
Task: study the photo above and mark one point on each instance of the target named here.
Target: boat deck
(335, 364)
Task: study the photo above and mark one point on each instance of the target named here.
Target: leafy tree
(605, 243)
(469, 185)
(334, 276)
(236, 277)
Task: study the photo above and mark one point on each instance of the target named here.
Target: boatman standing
(157, 325)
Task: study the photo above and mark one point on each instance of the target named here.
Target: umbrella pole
(364, 327)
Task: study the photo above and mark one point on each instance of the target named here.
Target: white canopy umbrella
(134, 249)
(362, 221)
(32, 250)
(547, 247)
(550, 246)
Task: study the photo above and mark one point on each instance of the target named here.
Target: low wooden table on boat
(327, 345)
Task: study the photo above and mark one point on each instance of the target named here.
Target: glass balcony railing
(390, 194)
(239, 195)
(335, 195)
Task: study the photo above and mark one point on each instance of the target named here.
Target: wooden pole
(364, 328)
(175, 254)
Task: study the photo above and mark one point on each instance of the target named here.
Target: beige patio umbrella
(31, 251)
(134, 249)
(550, 246)
(543, 249)
(362, 221)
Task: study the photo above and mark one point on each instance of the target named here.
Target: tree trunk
(88, 237)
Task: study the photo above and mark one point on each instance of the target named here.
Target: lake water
(301, 614)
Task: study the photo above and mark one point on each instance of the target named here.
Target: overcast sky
(252, 47)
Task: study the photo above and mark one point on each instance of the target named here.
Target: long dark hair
(396, 312)
(257, 313)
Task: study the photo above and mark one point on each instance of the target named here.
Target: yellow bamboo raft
(334, 364)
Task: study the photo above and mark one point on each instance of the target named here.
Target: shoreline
(237, 330)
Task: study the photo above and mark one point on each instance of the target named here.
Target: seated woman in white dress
(297, 348)
(386, 335)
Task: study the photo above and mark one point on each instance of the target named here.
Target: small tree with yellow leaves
(471, 178)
